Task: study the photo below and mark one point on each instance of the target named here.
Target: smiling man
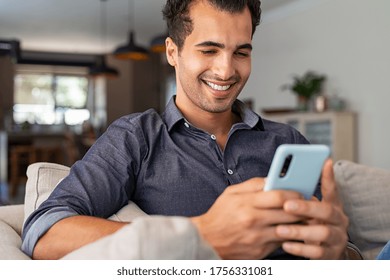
(204, 158)
(212, 66)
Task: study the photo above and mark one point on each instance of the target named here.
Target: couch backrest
(365, 192)
(42, 178)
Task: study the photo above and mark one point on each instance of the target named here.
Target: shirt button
(186, 125)
(213, 137)
(230, 172)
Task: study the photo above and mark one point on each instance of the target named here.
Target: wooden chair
(21, 156)
(61, 150)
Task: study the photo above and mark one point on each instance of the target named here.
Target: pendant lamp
(157, 44)
(131, 50)
(100, 67)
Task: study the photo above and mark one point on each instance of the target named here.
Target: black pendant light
(157, 44)
(131, 50)
(100, 67)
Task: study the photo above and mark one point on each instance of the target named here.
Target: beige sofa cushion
(11, 218)
(10, 243)
(43, 177)
(365, 192)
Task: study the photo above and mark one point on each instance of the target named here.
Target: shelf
(337, 130)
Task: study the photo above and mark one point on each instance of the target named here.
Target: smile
(218, 87)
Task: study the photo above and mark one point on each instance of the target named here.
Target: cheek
(244, 69)
(192, 66)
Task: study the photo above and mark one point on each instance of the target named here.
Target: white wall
(349, 41)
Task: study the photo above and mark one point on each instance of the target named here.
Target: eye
(242, 54)
(208, 52)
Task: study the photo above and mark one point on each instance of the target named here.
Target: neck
(214, 123)
(218, 124)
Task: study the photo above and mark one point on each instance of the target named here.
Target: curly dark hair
(179, 24)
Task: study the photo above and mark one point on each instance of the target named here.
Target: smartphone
(297, 167)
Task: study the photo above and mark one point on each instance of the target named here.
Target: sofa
(364, 190)
(150, 237)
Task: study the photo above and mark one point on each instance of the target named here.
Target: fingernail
(291, 205)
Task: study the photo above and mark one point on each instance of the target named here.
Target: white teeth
(217, 87)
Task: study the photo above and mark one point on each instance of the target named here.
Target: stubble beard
(198, 98)
(215, 105)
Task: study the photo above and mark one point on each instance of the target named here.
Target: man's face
(215, 61)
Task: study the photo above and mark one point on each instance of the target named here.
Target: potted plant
(305, 87)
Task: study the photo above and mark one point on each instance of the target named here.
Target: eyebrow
(219, 45)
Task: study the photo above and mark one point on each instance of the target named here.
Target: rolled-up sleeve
(98, 185)
(41, 225)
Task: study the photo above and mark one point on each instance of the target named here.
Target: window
(50, 97)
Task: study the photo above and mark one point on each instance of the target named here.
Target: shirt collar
(172, 114)
(248, 117)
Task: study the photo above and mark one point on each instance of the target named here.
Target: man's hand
(241, 224)
(325, 234)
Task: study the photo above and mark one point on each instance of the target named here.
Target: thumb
(328, 184)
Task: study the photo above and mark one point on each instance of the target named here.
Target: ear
(171, 51)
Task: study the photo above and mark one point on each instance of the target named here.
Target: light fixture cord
(131, 15)
(103, 22)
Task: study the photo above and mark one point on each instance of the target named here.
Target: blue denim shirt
(162, 163)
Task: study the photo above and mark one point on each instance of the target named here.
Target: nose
(224, 67)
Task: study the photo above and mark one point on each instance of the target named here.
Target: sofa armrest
(10, 243)
(11, 223)
(13, 216)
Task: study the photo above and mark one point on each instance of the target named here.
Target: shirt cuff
(40, 227)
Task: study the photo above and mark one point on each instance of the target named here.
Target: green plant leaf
(307, 85)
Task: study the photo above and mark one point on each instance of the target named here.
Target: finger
(320, 242)
(313, 251)
(312, 209)
(249, 186)
(309, 251)
(273, 217)
(312, 234)
(275, 198)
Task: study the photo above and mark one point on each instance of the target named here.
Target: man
(205, 158)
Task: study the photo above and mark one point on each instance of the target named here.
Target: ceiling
(75, 25)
